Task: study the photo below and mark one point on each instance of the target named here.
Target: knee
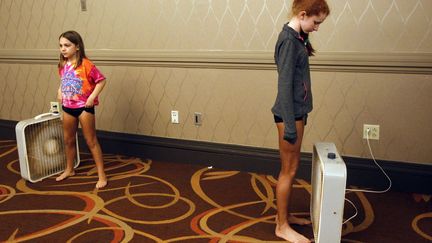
(70, 141)
(289, 170)
(290, 165)
(92, 142)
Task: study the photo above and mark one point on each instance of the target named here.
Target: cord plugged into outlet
(371, 132)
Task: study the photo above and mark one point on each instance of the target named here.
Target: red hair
(312, 8)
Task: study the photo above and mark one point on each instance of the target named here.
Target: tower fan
(328, 193)
(41, 149)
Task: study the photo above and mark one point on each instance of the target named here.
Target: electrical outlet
(54, 107)
(174, 117)
(197, 119)
(373, 131)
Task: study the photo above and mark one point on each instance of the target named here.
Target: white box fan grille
(40, 146)
(328, 193)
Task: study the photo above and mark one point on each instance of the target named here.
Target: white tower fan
(41, 149)
(328, 193)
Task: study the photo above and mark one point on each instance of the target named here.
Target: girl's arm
(59, 94)
(286, 62)
(99, 86)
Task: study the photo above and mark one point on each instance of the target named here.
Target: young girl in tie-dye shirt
(77, 84)
(81, 83)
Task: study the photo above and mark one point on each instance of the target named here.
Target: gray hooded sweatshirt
(294, 97)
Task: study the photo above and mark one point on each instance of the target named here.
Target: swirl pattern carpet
(155, 201)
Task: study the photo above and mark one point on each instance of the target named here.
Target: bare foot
(65, 175)
(101, 183)
(299, 221)
(285, 232)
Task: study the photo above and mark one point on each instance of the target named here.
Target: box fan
(40, 146)
(328, 193)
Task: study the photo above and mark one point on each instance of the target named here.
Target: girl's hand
(89, 102)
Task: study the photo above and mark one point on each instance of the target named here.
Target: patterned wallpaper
(235, 102)
(354, 25)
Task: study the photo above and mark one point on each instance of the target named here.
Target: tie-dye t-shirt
(78, 84)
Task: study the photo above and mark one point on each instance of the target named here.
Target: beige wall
(215, 57)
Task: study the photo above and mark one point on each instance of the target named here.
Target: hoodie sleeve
(286, 62)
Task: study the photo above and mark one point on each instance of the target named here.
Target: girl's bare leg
(87, 121)
(299, 221)
(290, 158)
(70, 126)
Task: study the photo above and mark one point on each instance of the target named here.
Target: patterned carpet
(153, 201)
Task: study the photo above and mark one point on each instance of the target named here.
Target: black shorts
(277, 119)
(76, 112)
